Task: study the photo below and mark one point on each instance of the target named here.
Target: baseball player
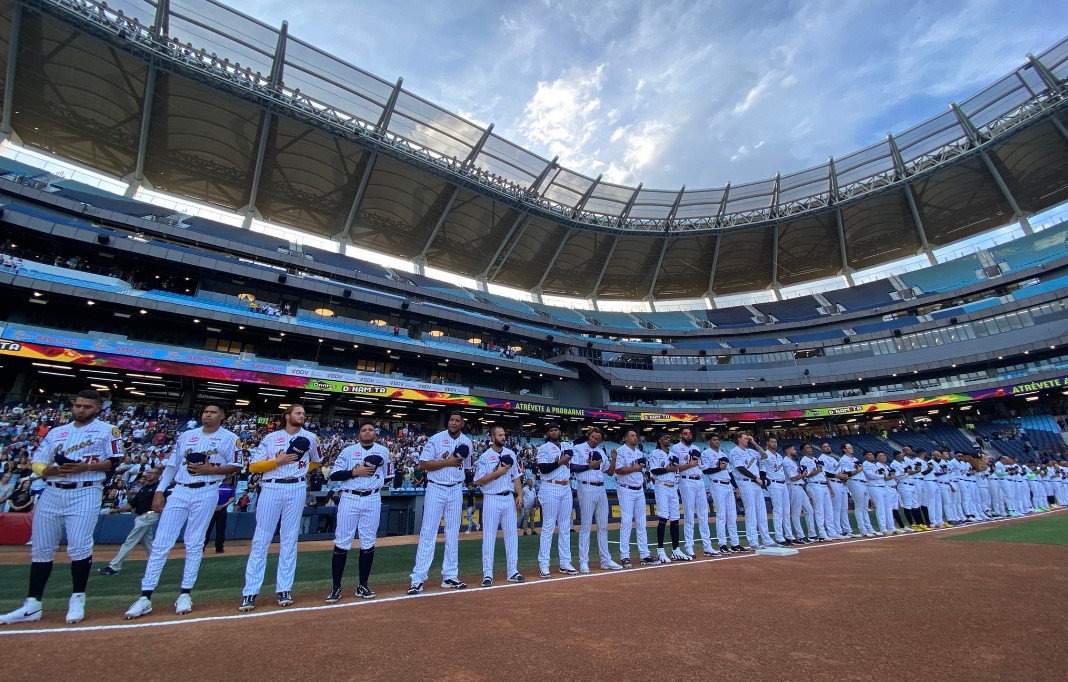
(899, 483)
(144, 528)
(774, 472)
(876, 474)
(932, 488)
(469, 501)
(859, 487)
(630, 488)
(445, 457)
(693, 493)
(199, 462)
(664, 469)
(799, 502)
(590, 464)
(497, 474)
(284, 457)
(745, 458)
(361, 470)
(820, 489)
(714, 463)
(73, 459)
(554, 462)
(832, 469)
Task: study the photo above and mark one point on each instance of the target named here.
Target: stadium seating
(862, 296)
(895, 323)
(753, 343)
(1043, 287)
(671, 320)
(114, 203)
(505, 302)
(561, 314)
(1032, 250)
(822, 335)
(951, 437)
(613, 319)
(914, 439)
(792, 309)
(972, 307)
(944, 276)
(734, 316)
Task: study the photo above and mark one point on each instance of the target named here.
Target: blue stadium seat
(1035, 249)
(1044, 287)
(945, 276)
(885, 324)
(862, 296)
(792, 309)
(670, 320)
(821, 335)
(610, 319)
(558, 313)
(505, 302)
(733, 316)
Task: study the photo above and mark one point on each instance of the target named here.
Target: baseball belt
(631, 487)
(362, 493)
(559, 482)
(199, 484)
(296, 479)
(71, 486)
(597, 483)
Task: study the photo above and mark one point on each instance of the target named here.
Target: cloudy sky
(670, 92)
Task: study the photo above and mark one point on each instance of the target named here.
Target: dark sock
(337, 564)
(660, 534)
(908, 516)
(39, 574)
(147, 594)
(79, 573)
(926, 515)
(899, 518)
(367, 557)
(674, 535)
(187, 590)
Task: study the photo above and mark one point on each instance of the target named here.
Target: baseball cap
(551, 425)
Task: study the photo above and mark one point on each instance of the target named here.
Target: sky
(693, 92)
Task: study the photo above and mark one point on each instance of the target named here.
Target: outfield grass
(1043, 530)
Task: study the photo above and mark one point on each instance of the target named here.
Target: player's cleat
(738, 549)
(334, 596)
(625, 563)
(29, 612)
(724, 549)
(898, 531)
(285, 598)
(415, 588)
(76, 608)
(184, 604)
(487, 582)
(568, 569)
(853, 535)
(516, 578)
(584, 569)
(545, 575)
(649, 561)
(248, 602)
(679, 555)
(107, 570)
(688, 551)
(610, 566)
(468, 531)
(662, 556)
(365, 592)
(711, 553)
(451, 584)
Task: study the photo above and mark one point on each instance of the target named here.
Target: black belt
(362, 493)
(297, 479)
(201, 484)
(776, 481)
(630, 487)
(446, 485)
(72, 486)
(692, 478)
(721, 482)
(592, 482)
(506, 492)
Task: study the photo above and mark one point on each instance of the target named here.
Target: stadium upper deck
(205, 102)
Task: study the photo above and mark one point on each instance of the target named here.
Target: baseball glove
(640, 460)
(567, 453)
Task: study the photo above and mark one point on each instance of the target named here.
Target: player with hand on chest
(664, 468)
(630, 489)
(693, 493)
(590, 464)
(497, 474)
(554, 460)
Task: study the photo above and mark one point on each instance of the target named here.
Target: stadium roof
(200, 100)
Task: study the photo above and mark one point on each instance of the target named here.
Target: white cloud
(563, 116)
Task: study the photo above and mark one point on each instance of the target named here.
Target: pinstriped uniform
(498, 510)
(360, 513)
(444, 497)
(555, 498)
(593, 502)
(630, 489)
(723, 496)
(75, 510)
(694, 497)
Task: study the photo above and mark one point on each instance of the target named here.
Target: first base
(777, 551)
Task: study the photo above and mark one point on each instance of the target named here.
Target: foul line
(475, 590)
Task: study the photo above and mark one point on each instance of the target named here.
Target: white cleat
(584, 569)
(141, 607)
(679, 555)
(610, 566)
(184, 604)
(29, 612)
(76, 608)
(688, 551)
(662, 556)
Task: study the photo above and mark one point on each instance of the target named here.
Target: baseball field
(986, 601)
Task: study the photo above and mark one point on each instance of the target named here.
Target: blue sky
(670, 92)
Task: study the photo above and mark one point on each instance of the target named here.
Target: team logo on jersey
(115, 433)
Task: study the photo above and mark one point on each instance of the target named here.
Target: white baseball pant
(632, 515)
(726, 514)
(357, 514)
(277, 501)
(884, 510)
(76, 511)
(756, 514)
(143, 531)
(498, 511)
(1038, 493)
(192, 508)
(997, 497)
(555, 515)
(780, 510)
(823, 505)
(439, 500)
(861, 494)
(934, 503)
(593, 507)
(667, 502)
(839, 520)
(799, 502)
(909, 496)
(984, 494)
(695, 501)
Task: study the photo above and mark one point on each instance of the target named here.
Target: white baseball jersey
(710, 460)
(219, 447)
(927, 469)
(661, 460)
(874, 473)
(685, 453)
(93, 442)
(276, 443)
(849, 463)
(809, 464)
(353, 456)
(830, 464)
(899, 471)
(744, 457)
(626, 457)
(549, 453)
(773, 467)
(791, 469)
(491, 460)
(441, 446)
(596, 471)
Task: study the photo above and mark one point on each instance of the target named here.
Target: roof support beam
(504, 242)
(715, 264)
(552, 262)
(360, 189)
(277, 67)
(775, 196)
(508, 254)
(722, 208)
(656, 270)
(160, 29)
(846, 271)
(832, 181)
(585, 197)
(775, 256)
(437, 227)
(1055, 86)
(899, 164)
(479, 145)
(674, 209)
(536, 185)
(630, 205)
(977, 140)
(604, 268)
(391, 104)
(12, 61)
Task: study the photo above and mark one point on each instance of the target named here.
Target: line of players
(917, 491)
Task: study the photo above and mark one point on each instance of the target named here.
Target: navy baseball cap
(551, 425)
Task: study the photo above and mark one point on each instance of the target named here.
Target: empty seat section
(945, 276)
(886, 324)
(734, 316)
(1044, 287)
(506, 302)
(1035, 249)
(792, 309)
(862, 296)
(671, 320)
(821, 335)
(618, 320)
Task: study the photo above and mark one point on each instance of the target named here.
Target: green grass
(1044, 530)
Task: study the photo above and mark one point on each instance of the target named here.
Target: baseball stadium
(817, 421)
